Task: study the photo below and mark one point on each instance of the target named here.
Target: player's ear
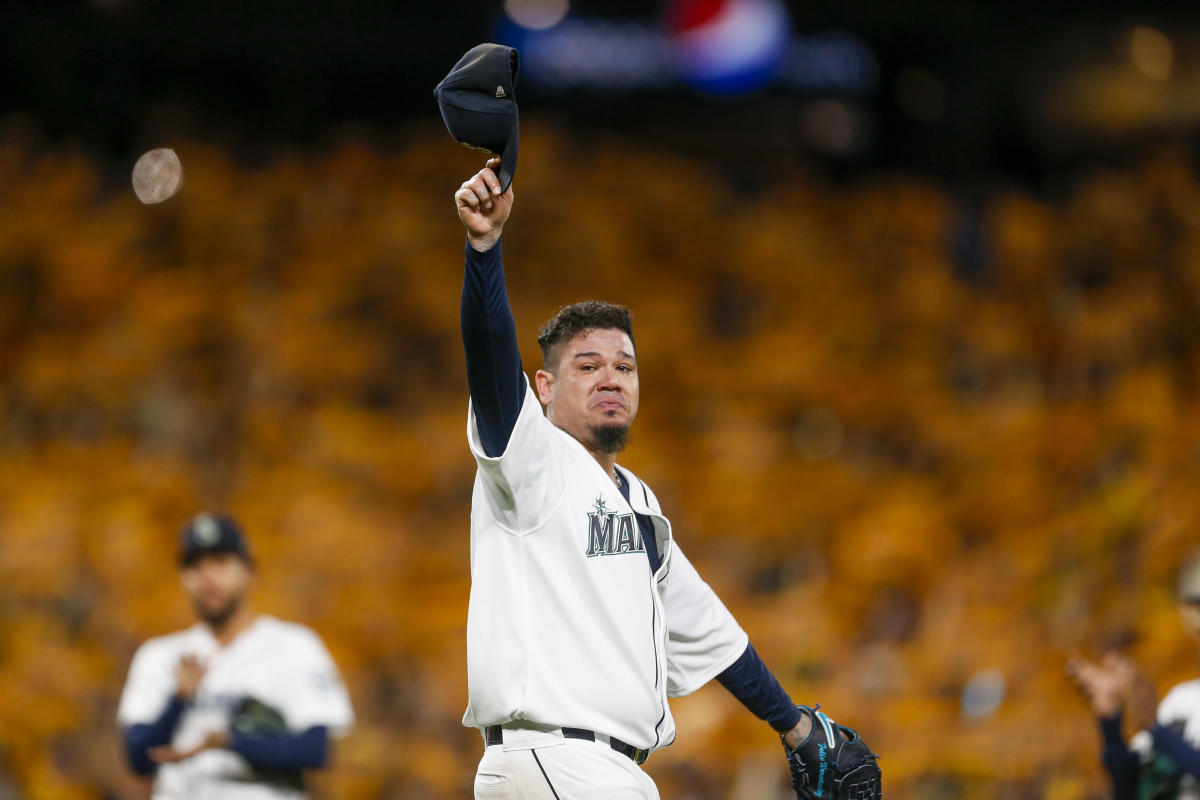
(544, 381)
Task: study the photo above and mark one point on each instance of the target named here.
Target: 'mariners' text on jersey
(612, 534)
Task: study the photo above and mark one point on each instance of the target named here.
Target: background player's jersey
(1181, 707)
(567, 626)
(281, 664)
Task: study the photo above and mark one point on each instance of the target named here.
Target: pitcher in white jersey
(585, 614)
(238, 706)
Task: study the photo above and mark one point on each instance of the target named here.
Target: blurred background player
(585, 614)
(1163, 758)
(238, 705)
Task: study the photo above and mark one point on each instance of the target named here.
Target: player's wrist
(481, 243)
(800, 732)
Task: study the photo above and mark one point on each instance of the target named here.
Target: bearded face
(592, 393)
(216, 584)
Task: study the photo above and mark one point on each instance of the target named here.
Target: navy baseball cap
(211, 533)
(478, 101)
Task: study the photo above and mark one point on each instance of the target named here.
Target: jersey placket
(660, 613)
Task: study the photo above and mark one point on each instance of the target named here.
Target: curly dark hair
(577, 318)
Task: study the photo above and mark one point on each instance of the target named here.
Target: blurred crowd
(921, 474)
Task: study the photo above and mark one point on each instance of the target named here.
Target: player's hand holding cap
(478, 102)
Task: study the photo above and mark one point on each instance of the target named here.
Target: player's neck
(607, 461)
(237, 622)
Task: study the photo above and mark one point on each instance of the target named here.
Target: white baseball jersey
(567, 626)
(281, 664)
(1182, 704)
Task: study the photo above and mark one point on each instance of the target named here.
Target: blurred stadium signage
(717, 46)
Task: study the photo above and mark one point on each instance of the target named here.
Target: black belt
(494, 734)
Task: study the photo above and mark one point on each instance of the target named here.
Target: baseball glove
(833, 763)
(252, 717)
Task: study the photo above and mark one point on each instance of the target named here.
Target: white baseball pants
(542, 765)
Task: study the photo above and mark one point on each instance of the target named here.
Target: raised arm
(494, 372)
(1107, 686)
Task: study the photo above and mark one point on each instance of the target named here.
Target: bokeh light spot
(1151, 52)
(537, 15)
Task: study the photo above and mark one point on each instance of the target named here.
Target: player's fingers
(489, 178)
(466, 197)
(1081, 672)
(164, 754)
(1116, 660)
(480, 188)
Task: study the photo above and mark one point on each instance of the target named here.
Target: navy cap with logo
(478, 101)
(211, 533)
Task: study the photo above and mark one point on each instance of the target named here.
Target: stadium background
(918, 329)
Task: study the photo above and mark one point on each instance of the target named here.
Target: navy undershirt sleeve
(141, 737)
(1118, 759)
(749, 680)
(1181, 751)
(308, 749)
(494, 371)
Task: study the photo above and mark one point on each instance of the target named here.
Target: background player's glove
(253, 717)
(833, 763)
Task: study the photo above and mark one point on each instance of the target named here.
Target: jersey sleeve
(315, 692)
(523, 484)
(1179, 703)
(703, 638)
(148, 688)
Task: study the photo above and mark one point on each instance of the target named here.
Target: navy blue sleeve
(1118, 759)
(1181, 751)
(494, 372)
(140, 738)
(306, 750)
(749, 680)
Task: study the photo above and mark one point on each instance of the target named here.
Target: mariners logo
(612, 534)
(206, 529)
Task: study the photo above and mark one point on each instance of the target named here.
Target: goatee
(609, 438)
(217, 617)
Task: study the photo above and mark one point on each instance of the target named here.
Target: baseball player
(1163, 759)
(585, 615)
(238, 705)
